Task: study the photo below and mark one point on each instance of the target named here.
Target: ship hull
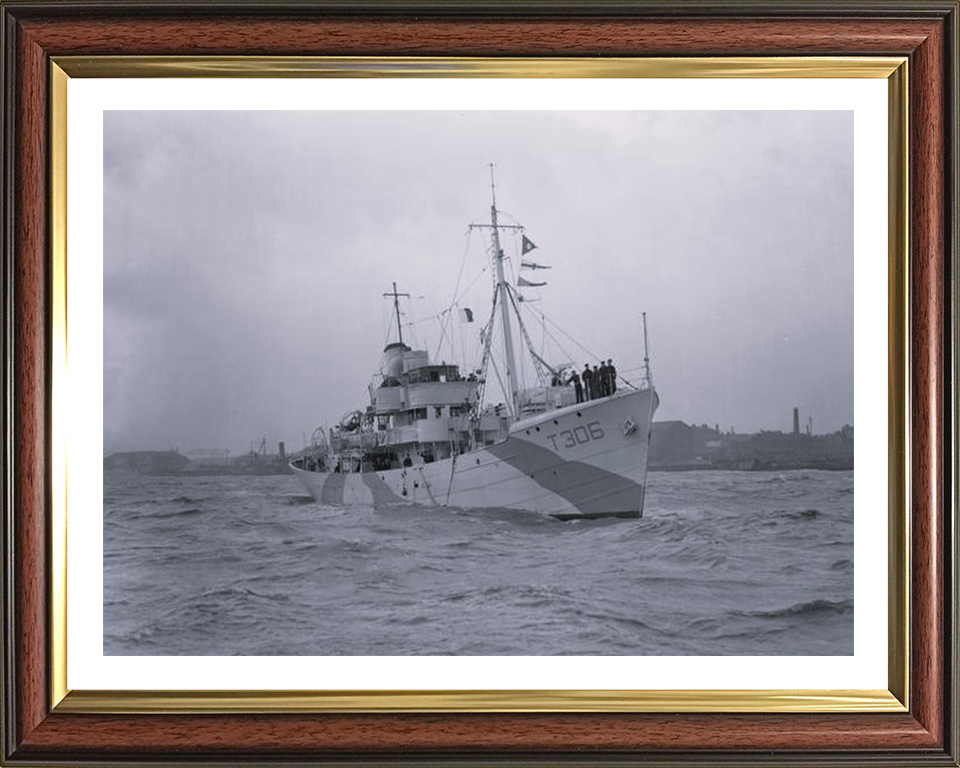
(583, 461)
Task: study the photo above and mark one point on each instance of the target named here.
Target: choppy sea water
(722, 563)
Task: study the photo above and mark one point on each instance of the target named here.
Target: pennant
(533, 265)
(523, 283)
(466, 315)
(527, 245)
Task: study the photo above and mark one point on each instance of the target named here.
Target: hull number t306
(570, 438)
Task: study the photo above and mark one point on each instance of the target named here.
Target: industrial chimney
(283, 447)
(796, 421)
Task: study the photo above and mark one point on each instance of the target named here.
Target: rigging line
(411, 322)
(513, 268)
(593, 355)
(426, 485)
(463, 346)
(543, 337)
(453, 469)
(429, 319)
(620, 373)
(466, 290)
(386, 338)
(538, 362)
(526, 337)
(444, 327)
(515, 224)
(475, 280)
(474, 359)
(553, 338)
(499, 379)
(487, 340)
(550, 336)
(456, 288)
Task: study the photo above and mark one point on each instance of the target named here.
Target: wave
(628, 622)
(354, 580)
(669, 530)
(292, 500)
(811, 608)
(186, 500)
(350, 546)
(799, 514)
(527, 595)
(178, 513)
(219, 593)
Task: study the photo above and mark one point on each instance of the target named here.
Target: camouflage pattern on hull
(582, 461)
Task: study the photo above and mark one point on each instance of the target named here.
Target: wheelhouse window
(434, 373)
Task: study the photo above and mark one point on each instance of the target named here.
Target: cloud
(246, 254)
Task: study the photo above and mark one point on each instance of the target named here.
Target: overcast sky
(246, 254)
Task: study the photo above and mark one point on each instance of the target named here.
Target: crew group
(600, 381)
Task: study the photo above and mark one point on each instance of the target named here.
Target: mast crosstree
(505, 297)
(396, 307)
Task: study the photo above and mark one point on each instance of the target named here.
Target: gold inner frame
(895, 699)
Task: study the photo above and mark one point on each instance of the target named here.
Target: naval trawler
(428, 437)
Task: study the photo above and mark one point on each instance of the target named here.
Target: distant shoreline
(764, 468)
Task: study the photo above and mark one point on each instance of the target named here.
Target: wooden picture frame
(40, 727)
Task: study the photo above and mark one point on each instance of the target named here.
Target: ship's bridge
(412, 395)
(410, 382)
(420, 411)
(433, 373)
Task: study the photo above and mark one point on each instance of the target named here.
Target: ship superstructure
(427, 435)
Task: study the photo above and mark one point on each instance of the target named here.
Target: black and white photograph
(478, 383)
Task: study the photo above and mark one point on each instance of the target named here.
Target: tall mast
(504, 300)
(396, 308)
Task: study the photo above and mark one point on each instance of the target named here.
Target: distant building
(778, 450)
(676, 445)
(147, 462)
(209, 457)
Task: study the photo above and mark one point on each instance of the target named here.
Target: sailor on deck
(577, 386)
(588, 381)
(604, 380)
